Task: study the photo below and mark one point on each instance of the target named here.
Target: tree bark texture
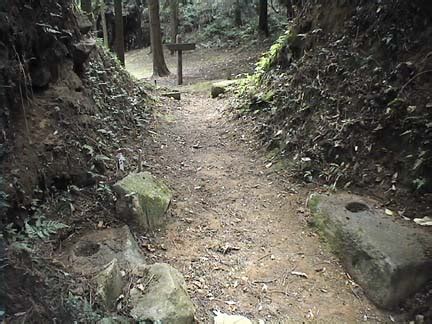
(237, 14)
(263, 18)
(174, 21)
(104, 24)
(159, 66)
(119, 31)
(289, 9)
(86, 6)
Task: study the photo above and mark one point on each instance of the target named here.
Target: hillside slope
(67, 109)
(345, 97)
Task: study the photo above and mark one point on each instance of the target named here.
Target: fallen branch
(412, 79)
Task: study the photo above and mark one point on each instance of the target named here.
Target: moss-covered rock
(161, 297)
(142, 200)
(221, 87)
(379, 251)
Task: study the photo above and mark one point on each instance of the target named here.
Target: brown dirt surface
(200, 64)
(239, 230)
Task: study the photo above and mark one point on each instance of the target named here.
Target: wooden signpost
(180, 47)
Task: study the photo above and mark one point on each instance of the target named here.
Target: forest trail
(238, 228)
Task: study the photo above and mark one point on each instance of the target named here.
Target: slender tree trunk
(104, 24)
(119, 32)
(86, 6)
(174, 21)
(94, 10)
(140, 29)
(237, 14)
(289, 9)
(159, 66)
(263, 18)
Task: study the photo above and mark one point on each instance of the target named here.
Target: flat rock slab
(391, 259)
(95, 250)
(174, 95)
(142, 200)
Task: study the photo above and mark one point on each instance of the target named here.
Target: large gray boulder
(161, 297)
(94, 250)
(142, 200)
(390, 258)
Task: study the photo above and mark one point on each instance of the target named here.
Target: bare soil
(198, 65)
(239, 230)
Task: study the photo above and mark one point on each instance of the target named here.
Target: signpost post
(180, 47)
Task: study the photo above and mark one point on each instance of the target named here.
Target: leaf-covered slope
(346, 95)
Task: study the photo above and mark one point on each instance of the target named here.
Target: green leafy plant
(81, 309)
(271, 56)
(42, 228)
(36, 228)
(419, 183)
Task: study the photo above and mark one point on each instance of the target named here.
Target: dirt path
(199, 65)
(238, 230)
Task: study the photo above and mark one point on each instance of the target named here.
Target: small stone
(84, 24)
(419, 319)
(222, 318)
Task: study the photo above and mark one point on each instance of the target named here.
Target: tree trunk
(86, 6)
(237, 14)
(174, 21)
(289, 9)
(159, 66)
(140, 36)
(104, 24)
(263, 18)
(119, 32)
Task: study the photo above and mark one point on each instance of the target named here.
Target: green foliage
(81, 309)
(36, 228)
(270, 58)
(42, 228)
(190, 15)
(419, 183)
(216, 22)
(251, 87)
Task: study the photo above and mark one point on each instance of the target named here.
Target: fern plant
(42, 228)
